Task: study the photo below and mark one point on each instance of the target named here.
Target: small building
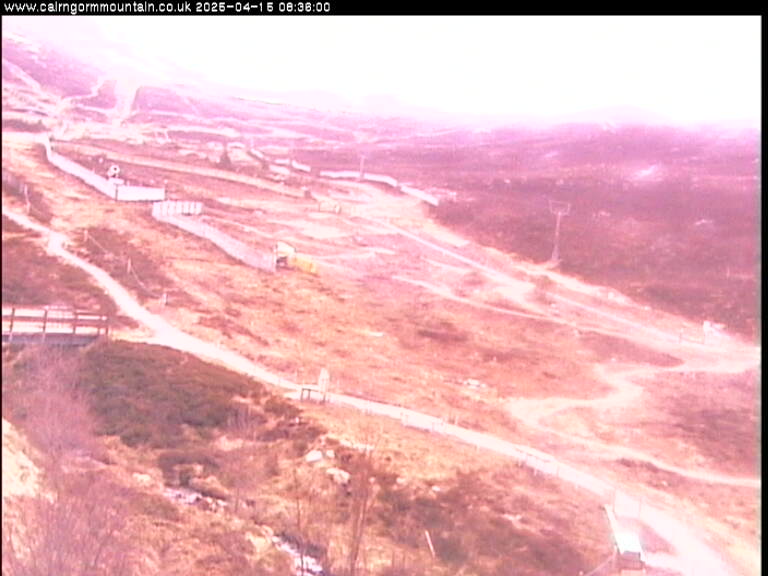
(283, 253)
(630, 560)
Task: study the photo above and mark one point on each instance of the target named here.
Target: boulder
(260, 542)
(314, 456)
(143, 479)
(182, 474)
(210, 486)
(339, 476)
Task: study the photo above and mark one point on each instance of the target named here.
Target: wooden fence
(64, 326)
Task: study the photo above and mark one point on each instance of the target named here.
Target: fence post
(45, 321)
(429, 542)
(10, 329)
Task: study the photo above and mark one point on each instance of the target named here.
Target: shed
(629, 552)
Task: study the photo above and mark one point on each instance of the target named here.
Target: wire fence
(129, 267)
(603, 569)
(34, 204)
(16, 186)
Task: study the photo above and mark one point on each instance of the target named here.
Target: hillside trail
(22, 75)
(68, 102)
(162, 332)
(125, 89)
(725, 350)
(725, 355)
(692, 555)
(531, 411)
(519, 290)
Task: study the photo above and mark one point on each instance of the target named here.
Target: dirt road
(723, 355)
(693, 556)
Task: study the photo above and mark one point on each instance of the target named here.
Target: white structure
(323, 382)
(710, 329)
(381, 179)
(339, 174)
(630, 559)
(420, 194)
(301, 167)
(259, 259)
(177, 208)
(114, 188)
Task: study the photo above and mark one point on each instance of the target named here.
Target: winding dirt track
(726, 356)
(692, 555)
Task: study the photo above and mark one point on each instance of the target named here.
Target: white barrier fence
(381, 179)
(279, 170)
(340, 174)
(177, 208)
(121, 192)
(259, 259)
(301, 167)
(420, 194)
(283, 166)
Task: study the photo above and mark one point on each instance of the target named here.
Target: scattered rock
(261, 543)
(142, 479)
(313, 456)
(209, 486)
(212, 504)
(184, 473)
(357, 446)
(20, 475)
(181, 495)
(226, 444)
(473, 383)
(339, 476)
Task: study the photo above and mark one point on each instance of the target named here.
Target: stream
(309, 567)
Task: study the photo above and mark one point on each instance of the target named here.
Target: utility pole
(26, 197)
(559, 209)
(362, 167)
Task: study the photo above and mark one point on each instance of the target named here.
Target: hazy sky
(687, 69)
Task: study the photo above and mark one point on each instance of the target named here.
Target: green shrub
(281, 408)
(152, 395)
(468, 530)
(172, 463)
